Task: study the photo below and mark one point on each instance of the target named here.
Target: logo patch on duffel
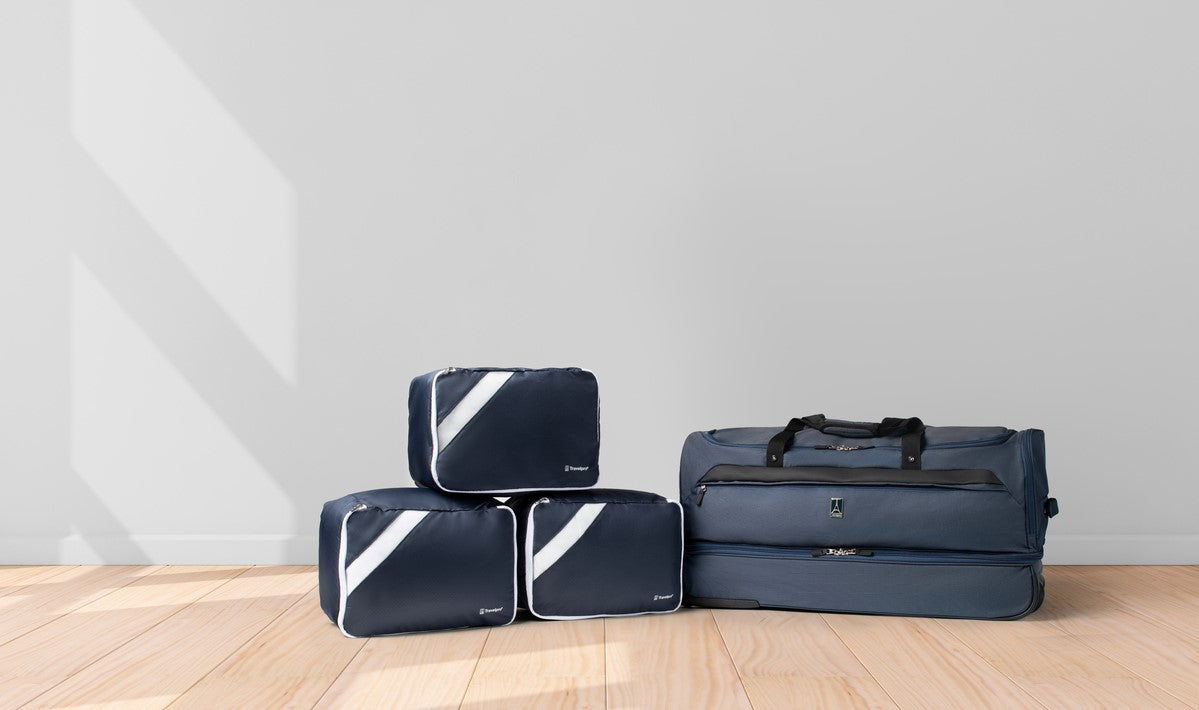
(836, 508)
(490, 611)
(568, 469)
(663, 596)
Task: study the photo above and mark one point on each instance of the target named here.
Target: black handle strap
(910, 429)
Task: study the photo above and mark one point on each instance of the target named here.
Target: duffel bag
(890, 517)
(499, 431)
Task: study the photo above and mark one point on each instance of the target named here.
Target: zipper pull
(841, 552)
(699, 497)
(840, 447)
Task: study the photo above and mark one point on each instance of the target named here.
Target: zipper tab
(699, 497)
(841, 552)
(543, 500)
(840, 447)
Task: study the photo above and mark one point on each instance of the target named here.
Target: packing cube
(599, 553)
(406, 559)
(499, 431)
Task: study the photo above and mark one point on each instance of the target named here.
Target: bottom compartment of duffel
(896, 582)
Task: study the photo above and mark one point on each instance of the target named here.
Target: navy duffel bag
(884, 518)
(405, 559)
(599, 553)
(504, 430)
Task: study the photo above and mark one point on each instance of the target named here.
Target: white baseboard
(301, 550)
(272, 549)
(1121, 549)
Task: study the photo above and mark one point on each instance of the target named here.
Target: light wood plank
(1108, 636)
(38, 603)
(1169, 595)
(154, 668)
(670, 661)
(788, 659)
(290, 663)
(1054, 666)
(541, 664)
(418, 671)
(39, 660)
(14, 577)
(921, 665)
(1148, 648)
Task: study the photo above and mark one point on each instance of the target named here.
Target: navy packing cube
(406, 559)
(599, 553)
(495, 430)
(883, 518)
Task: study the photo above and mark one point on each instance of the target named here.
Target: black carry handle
(910, 429)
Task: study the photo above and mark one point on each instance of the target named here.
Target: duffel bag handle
(911, 429)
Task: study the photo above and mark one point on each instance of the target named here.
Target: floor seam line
(62, 569)
(137, 636)
(338, 676)
(729, 654)
(991, 665)
(256, 634)
(861, 663)
(475, 669)
(74, 609)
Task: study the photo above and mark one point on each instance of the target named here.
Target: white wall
(233, 231)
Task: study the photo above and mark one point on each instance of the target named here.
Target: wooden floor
(214, 637)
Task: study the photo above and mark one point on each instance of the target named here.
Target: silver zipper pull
(699, 498)
(543, 500)
(841, 552)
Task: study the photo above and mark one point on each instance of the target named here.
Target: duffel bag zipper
(877, 554)
(1029, 493)
(702, 489)
(825, 447)
(841, 552)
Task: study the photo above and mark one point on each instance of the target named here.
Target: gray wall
(233, 231)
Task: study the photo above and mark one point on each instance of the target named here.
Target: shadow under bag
(504, 430)
(879, 518)
(396, 560)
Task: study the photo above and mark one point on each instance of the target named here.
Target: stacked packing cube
(400, 560)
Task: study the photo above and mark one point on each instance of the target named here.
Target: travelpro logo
(663, 596)
(836, 508)
(490, 611)
(568, 469)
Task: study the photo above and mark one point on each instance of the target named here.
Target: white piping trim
(550, 617)
(515, 562)
(529, 557)
(435, 448)
(342, 593)
(381, 548)
(465, 410)
(566, 538)
(341, 568)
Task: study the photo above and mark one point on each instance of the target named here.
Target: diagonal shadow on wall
(209, 277)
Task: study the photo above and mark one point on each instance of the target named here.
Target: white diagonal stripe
(470, 405)
(382, 547)
(566, 538)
